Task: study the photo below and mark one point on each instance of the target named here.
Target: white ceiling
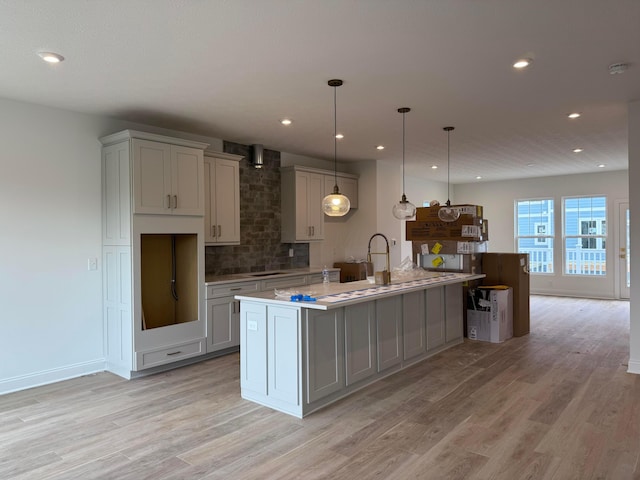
(231, 69)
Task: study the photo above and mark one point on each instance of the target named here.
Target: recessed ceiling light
(380, 147)
(573, 115)
(434, 167)
(522, 63)
(531, 164)
(577, 150)
(339, 136)
(286, 121)
(602, 165)
(51, 57)
(478, 177)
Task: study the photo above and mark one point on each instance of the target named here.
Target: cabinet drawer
(284, 282)
(230, 289)
(170, 354)
(317, 277)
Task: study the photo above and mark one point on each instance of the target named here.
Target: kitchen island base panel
(297, 360)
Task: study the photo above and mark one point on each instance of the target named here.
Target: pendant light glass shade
(335, 204)
(448, 213)
(404, 209)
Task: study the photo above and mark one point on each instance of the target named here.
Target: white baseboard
(51, 376)
(634, 366)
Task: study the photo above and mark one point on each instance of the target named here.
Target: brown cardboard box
(448, 247)
(446, 231)
(352, 272)
(431, 213)
(511, 269)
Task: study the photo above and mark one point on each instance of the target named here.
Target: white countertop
(336, 295)
(244, 277)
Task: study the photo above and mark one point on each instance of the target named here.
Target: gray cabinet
(389, 331)
(253, 355)
(224, 329)
(414, 324)
(360, 342)
(324, 352)
(435, 317)
(454, 328)
(283, 368)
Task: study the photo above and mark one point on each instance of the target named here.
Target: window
(585, 235)
(534, 233)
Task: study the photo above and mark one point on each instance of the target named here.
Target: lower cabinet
(414, 324)
(297, 359)
(360, 342)
(389, 330)
(223, 323)
(324, 352)
(435, 317)
(454, 312)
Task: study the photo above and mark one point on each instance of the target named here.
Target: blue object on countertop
(308, 298)
(297, 298)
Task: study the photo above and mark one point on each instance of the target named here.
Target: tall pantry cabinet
(153, 250)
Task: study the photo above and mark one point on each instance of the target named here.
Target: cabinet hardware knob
(174, 353)
(219, 230)
(235, 289)
(168, 201)
(175, 201)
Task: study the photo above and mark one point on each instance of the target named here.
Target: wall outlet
(92, 264)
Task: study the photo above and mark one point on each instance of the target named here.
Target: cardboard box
(352, 272)
(431, 213)
(490, 314)
(447, 247)
(445, 231)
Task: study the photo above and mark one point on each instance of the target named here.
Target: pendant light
(448, 213)
(404, 209)
(335, 204)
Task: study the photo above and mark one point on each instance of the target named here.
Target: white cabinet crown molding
(128, 134)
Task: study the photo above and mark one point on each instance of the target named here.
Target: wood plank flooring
(554, 404)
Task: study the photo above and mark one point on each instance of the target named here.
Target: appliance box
(490, 315)
(352, 272)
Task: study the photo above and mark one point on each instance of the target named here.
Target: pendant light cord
(335, 138)
(448, 167)
(403, 188)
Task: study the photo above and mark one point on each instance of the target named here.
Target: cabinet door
(283, 354)
(414, 324)
(453, 312)
(223, 323)
(226, 201)
(309, 215)
(210, 226)
(389, 330)
(187, 181)
(324, 353)
(314, 206)
(435, 317)
(360, 341)
(151, 177)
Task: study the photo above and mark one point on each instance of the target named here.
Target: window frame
(546, 239)
(598, 237)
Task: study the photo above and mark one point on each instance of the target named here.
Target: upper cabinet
(222, 199)
(302, 192)
(167, 179)
(301, 197)
(348, 185)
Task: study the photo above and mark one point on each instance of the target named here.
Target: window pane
(540, 254)
(584, 261)
(585, 228)
(534, 233)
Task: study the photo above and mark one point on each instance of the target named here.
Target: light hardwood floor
(555, 404)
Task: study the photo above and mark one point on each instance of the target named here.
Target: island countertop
(337, 295)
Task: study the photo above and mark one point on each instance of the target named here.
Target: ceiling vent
(258, 156)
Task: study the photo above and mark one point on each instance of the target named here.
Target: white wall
(498, 199)
(634, 209)
(50, 215)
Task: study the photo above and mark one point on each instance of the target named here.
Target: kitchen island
(299, 356)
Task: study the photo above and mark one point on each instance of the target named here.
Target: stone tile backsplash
(260, 248)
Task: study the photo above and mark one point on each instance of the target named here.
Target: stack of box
(490, 314)
(352, 272)
(471, 228)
